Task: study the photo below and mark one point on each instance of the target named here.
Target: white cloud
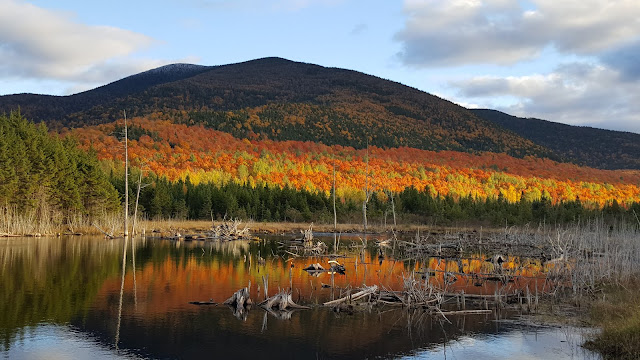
(457, 32)
(576, 94)
(597, 40)
(36, 43)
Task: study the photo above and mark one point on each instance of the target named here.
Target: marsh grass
(30, 223)
(618, 313)
(583, 258)
(596, 266)
(42, 221)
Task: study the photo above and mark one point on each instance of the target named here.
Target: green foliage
(53, 284)
(48, 176)
(184, 200)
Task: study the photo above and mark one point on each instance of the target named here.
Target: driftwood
(305, 245)
(210, 302)
(281, 301)
(239, 298)
(466, 312)
(308, 237)
(314, 267)
(230, 230)
(110, 236)
(369, 290)
(240, 302)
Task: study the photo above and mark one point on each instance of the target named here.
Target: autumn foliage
(178, 151)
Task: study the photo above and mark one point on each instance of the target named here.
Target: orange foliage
(206, 155)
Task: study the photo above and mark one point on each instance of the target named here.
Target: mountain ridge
(279, 99)
(583, 145)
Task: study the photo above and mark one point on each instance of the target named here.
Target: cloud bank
(595, 42)
(52, 45)
(459, 32)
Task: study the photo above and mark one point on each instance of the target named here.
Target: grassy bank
(618, 314)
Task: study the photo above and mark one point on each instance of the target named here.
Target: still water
(71, 298)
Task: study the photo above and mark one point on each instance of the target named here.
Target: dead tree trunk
(335, 214)
(126, 178)
(135, 211)
(240, 299)
(393, 208)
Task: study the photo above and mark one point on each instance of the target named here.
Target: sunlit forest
(197, 172)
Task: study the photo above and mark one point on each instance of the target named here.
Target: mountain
(56, 110)
(274, 98)
(604, 149)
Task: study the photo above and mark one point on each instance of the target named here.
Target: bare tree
(135, 211)
(126, 178)
(393, 207)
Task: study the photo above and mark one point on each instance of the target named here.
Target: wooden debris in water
(230, 230)
(241, 302)
(308, 237)
(210, 302)
(305, 246)
(281, 301)
(314, 267)
(240, 298)
(366, 291)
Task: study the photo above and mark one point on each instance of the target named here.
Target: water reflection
(134, 295)
(124, 268)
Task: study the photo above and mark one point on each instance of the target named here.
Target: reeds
(33, 222)
(43, 221)
(585, 257)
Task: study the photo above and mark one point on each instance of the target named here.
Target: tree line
(46, 178)
(162, 199)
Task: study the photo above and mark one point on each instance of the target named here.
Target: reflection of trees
(78, 281)
(50, 279)
(124, 268)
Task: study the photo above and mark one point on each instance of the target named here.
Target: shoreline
(284, 228)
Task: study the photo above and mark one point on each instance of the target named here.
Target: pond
(69, 298)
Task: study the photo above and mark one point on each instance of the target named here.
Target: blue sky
(570, 61)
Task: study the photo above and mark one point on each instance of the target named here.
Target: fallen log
(466, 312)
(314, 267)
(354, 297)
(210, 302)
(110, 236)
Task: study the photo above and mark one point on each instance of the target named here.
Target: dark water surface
(68, 298)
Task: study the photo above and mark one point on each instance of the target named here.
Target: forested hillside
(202, 171)
(279, 99)
(264, 139)
(56, 110)
(588, 146)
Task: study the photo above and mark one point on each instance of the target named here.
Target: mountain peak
(175, 68)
